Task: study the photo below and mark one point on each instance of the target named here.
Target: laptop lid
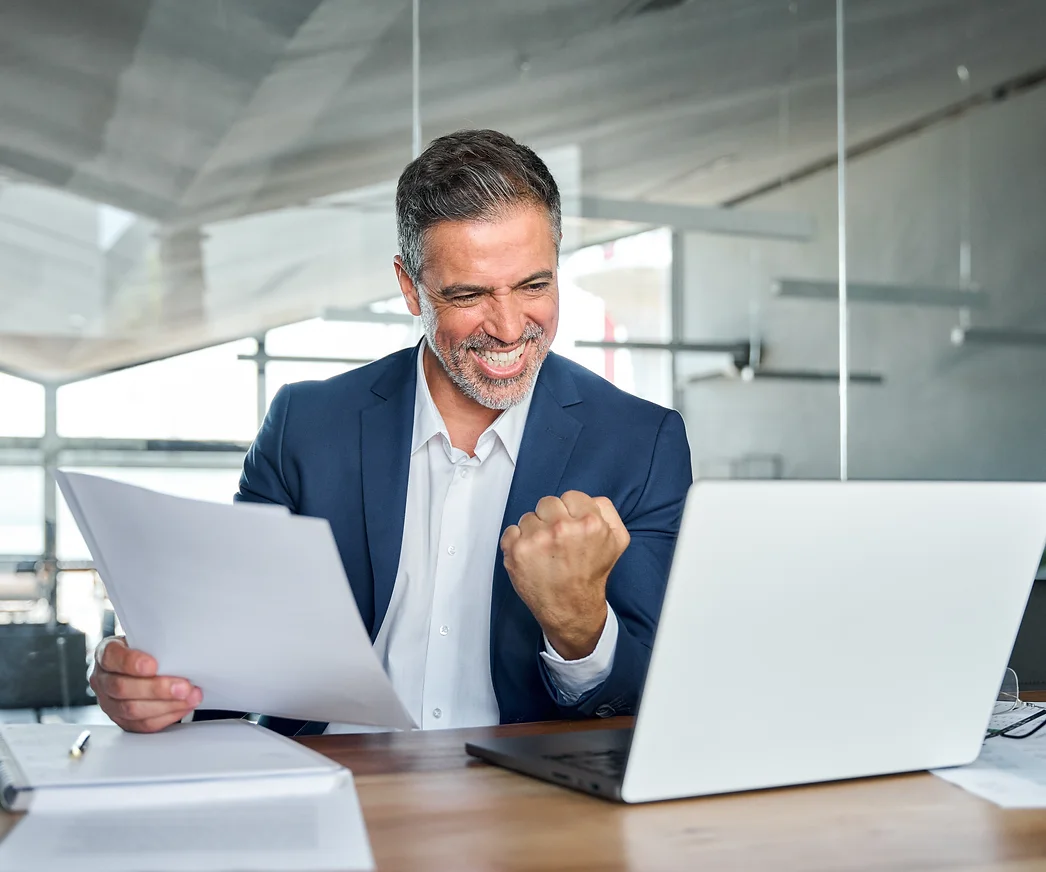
(814, 631)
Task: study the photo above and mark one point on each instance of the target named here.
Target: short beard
(454, 367)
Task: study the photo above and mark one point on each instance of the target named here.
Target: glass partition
(946, 186)
(172, 252)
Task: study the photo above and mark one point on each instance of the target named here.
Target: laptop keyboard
(610, 762)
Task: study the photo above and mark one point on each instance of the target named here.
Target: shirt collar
(428, 422)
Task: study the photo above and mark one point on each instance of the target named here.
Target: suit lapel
(548, 441)
(385, 437)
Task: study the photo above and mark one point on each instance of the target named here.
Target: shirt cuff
(575, 678)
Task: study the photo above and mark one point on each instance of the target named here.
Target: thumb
(613, 520)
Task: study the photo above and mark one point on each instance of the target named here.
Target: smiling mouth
(503, 364)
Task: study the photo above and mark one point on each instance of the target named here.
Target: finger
(117, 657)
(105, 645)
(530, 523)
(613, 520)
(137, 710)
(118, 686)
(579, 504)
(551, 509)
(153, 724)
(510, 537)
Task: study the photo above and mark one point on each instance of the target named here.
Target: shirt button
(444, 630)
(437, 713)
(452, 550)
(464, 473)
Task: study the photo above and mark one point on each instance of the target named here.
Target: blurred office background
(196, 207)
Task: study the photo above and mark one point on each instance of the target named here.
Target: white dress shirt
(435, 639)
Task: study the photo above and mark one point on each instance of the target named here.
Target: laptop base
(592, 761)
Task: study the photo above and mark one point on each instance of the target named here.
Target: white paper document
(216, 795)
(234, 758)
(251, 606)
(1008, 772)
(313, 832)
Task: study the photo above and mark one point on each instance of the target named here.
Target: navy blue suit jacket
(340, 449)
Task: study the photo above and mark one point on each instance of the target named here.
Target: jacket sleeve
(636, 586)
(263, 479)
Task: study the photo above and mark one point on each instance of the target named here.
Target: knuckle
(550, 507)
(155, 724)
(133, 709)
(135, 726)
(562, 529)
(522, 549)
(542, 539)
(578, 501)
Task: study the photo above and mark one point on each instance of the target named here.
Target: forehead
(490, 252)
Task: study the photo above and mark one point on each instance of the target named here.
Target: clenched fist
(558, 558)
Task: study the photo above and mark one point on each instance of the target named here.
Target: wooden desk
(430, 806)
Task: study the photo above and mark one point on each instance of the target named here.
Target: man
(487, 597)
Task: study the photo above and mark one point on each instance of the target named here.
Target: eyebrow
(461, 288)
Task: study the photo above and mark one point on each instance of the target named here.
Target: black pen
(80, 745)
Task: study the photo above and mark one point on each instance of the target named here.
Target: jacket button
(604, 711)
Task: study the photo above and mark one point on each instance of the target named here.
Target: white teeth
(503, 358)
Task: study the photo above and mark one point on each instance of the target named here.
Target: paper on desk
(1011, 773)
(314, 833)
(251, 606)
(204, 755)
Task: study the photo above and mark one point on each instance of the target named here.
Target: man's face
(489, 302)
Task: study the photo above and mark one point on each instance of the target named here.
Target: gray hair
(471, 175)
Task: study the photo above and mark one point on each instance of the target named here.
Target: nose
(505, 319)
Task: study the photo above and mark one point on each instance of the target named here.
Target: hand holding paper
(251, 607)
(131, 693)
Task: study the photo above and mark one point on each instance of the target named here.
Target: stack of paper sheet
(210, 796)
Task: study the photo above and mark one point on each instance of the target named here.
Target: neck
(465, 418)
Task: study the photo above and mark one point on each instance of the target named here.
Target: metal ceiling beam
(790, 226)
(297, 358)
(891, 295)
(367, 315)
(750, 374)
(1012, 336)
(809, 375)
(740, 351)
(68, 443)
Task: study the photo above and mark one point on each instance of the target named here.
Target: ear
(407, 286)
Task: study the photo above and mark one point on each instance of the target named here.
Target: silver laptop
(813, 632)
